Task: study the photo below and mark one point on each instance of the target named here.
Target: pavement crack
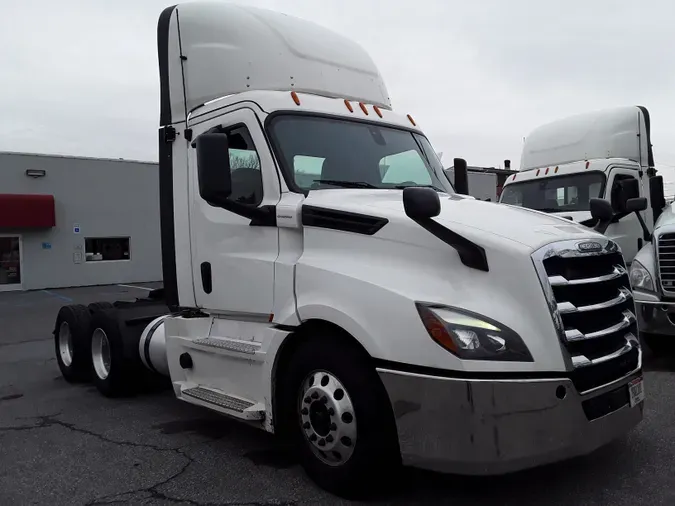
(49, 421)
(152, 491)
(26, 341)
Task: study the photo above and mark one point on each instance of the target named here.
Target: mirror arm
(259, 216)
(645, 231)
(602, 226)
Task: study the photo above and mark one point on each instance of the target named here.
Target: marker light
(411, 120)
(377, 110)
(294, 95)
(363, 108)
(349, 106)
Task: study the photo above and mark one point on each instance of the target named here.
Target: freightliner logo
(589, 246)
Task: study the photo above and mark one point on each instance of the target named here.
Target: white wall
(106, 198)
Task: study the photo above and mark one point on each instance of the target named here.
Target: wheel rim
(65, 344)
(100, 353)
(327, 418)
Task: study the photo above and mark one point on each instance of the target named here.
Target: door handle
(207, 281)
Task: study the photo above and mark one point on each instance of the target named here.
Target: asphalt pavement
(63, 444)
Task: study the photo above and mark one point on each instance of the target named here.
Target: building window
(106, 248)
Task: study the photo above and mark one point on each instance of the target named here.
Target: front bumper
(482, 427)
(654, 316)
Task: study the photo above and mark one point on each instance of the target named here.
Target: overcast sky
(81, 77)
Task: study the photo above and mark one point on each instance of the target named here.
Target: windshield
(320, 152)
(556, 194)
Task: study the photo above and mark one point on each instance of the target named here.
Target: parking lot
(66, 444)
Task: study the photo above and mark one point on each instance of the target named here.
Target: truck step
(240, 408)
(229, 344)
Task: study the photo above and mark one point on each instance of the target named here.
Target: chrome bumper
(653, 315)
(483, 427)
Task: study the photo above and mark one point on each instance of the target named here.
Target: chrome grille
(592, 306)
(666, 259)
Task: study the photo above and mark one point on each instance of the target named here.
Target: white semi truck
(601, 154)
(323, 280)
(652, 276)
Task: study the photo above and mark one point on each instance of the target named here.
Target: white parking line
(138, 287)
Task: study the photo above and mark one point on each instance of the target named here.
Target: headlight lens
(471, 336)
(640, 277)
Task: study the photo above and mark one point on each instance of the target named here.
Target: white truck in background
(601, 154)
(356, 306)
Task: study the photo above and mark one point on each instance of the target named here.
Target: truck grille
(592, 306)
(666, 259)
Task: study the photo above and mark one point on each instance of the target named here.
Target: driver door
(233, 262)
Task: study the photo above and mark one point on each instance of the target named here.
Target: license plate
(636, 391)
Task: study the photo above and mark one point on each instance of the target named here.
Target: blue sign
(76, 229)
(46, 245)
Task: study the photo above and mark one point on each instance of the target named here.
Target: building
(74, 221)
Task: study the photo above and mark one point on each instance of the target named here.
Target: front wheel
(338, 416)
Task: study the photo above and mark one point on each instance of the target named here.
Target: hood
(667, 217)
(577, 216)
(469, 217)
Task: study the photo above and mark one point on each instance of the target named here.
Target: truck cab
(602, 154)
(324, 281)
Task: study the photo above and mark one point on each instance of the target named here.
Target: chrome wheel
(327, 418)
(65, 344)
(100, 353)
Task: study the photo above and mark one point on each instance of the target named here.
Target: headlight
(472, 336)
(640, 277)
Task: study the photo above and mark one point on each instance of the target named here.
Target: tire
(659, 345)
(97, 306)
(113, 368)
(71, 343)
(370, 457)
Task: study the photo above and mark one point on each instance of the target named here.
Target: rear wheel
(114, 372)
(97, 306)
(337, 414)
(71, 342)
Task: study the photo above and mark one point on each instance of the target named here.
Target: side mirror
(602, 211)
(213, 167)
(657, 196)
(421, 203)
(635, 206)
(461, 176)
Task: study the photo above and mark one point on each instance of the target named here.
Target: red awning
(27, 211)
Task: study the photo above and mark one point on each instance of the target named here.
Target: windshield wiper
(346, 184)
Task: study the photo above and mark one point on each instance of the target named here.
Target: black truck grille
(593, 305)
(666, 259)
